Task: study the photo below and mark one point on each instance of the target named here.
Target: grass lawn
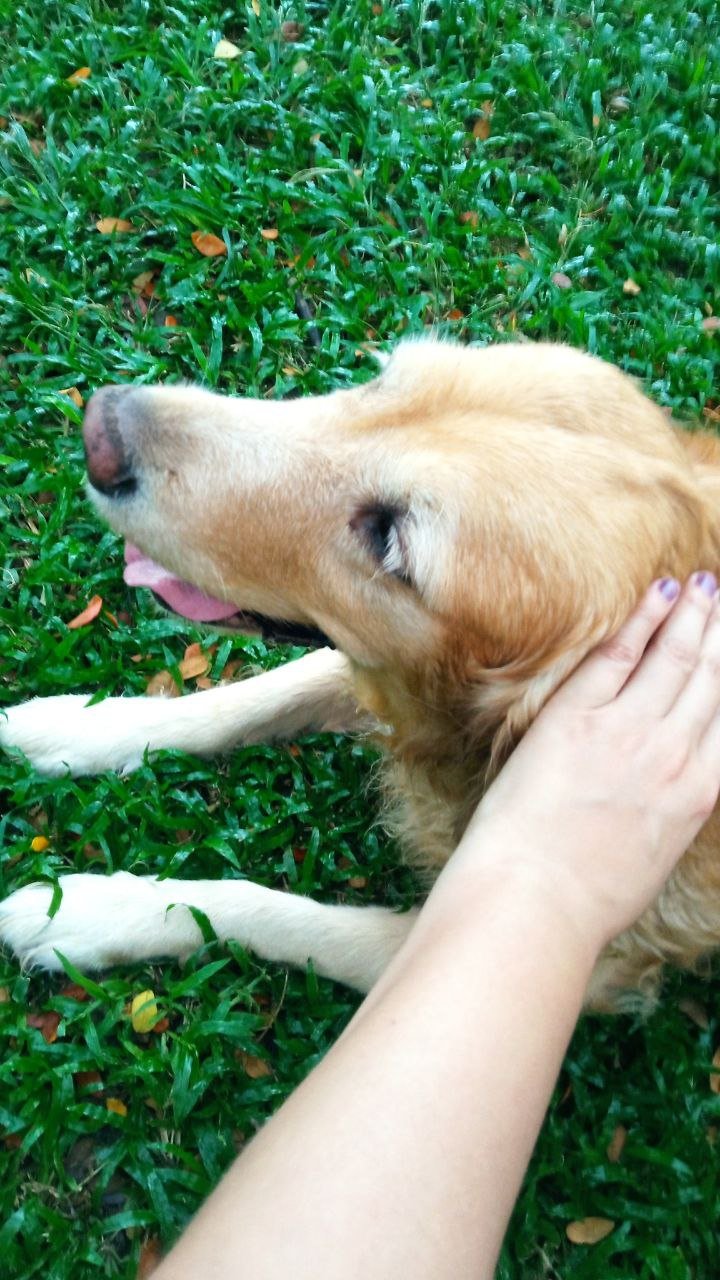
(489, 169)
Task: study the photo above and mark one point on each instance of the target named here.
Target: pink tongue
(141, 571)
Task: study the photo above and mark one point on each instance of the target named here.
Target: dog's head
(468, 523)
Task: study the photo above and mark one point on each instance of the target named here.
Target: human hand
(619, 771)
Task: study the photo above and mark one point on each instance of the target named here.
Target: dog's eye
(380, 528)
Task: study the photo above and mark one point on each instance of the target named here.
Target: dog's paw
(101, 921)
(64, 735)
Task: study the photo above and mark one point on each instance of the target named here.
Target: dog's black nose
(107, 455)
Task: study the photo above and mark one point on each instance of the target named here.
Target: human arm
(404, 1150)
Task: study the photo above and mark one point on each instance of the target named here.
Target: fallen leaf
(93, 853)
(617, 1143)
(618, 105)
(150, 1258)
(710, 323)
(715, 1075)
(301, 66)
(255, 1068)
(162, 685)
(561, 280)
(377, 10)
(291, 32)
(73, 991)
(426, 102)
(144, 284)
(113, 226)
(226, 49)
(47, 1023)
(596, 121)
(88, 615)
(209, 245)
(170, 322)
(161, 1025)
(632, 288)
(144, 1011)
(194, 663)
(81, 1079)
(4, 995)
(589, 1230)
(117, 1106)
(695, 1011)
(455, 314)
(82, 73)
(39, 844)
(469, 219)
(203, 682)
(73, 394)
(358, 882)
(255, 6)
(269, 233)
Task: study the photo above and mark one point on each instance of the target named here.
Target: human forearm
(413, 1135)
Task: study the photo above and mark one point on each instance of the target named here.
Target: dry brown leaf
(561, 280)
(589, 1230)
(150, 1258)
(170, 322)
(161, 1025)
(226, 49)
(73, 394)
(455, 314)
(253, 1067)
(710, 323)
(377, 10)
(73, 991)
(81, 1079)
(144, 284)
(47, 1023)
(144, 1011)
(291, 32)
(269, 233)
(481, 129)
(616, 1144)
(82, 73)
(469, 219)
(209, 245)
(113, 226)
(162, 685)
(715, 1075)
(358, 882)
(631, 287)
(88, 614)
(426, 102)
(695, 1011)
(203, 682)
(194, 663)
(117, 1106)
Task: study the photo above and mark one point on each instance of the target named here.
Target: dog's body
(464, 528)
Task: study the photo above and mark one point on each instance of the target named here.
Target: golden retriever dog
(462, 529)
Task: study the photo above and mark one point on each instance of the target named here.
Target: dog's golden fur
(540, 492)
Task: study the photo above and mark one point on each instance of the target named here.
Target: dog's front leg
(121, 918)
(64, 734)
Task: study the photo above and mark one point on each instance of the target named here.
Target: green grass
(356, 143)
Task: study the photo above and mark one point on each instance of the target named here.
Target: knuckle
(622, 650)
(711, 664)
(679, 651)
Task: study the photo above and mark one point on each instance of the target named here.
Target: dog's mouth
(190, 602)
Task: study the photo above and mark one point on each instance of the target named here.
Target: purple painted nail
(669, 587)
(707, 582)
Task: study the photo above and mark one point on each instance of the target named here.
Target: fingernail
(669, 587)
(707, 582)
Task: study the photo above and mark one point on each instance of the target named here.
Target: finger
(674, 652)
(698, 704)
(606, 670)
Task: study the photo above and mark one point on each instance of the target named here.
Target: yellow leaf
(113, 226)
(39, 844)
(589, 1230)
(73, 394)
(209, 245)
(256, 7)
(269, 233)
(617, 1143)
(144, 1011)
(82, 73)
(117, 1107)
(226, 49)
(632, 288)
